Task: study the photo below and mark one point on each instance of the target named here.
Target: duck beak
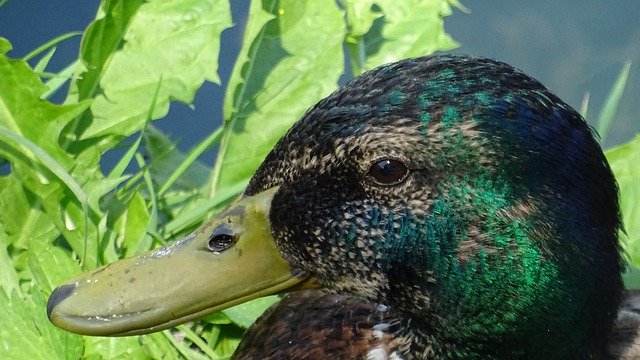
(229, 261)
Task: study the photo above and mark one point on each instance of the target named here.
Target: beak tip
(58, 295)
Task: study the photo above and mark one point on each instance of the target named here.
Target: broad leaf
(27, 334)
(9, 280)
(50, 265)
(246, 314)
(25, 114)
(136, 47)
(158, 346)
(360, 18)
(126, 225)
(405, 29)
(165, 154)
(29, 131)
(624, 161)
(291, 57)
(26, 220)
(120, 348)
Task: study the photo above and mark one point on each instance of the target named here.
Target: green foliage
(608, 111)
(624, 162)
(61, 215)
(381, 32)
(277, 64)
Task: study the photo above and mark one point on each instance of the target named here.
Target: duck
(441, 207)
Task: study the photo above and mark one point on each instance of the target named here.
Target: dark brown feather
(317, 325)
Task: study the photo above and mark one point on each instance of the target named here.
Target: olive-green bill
(229, 261)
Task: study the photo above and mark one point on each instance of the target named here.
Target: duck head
(456, 190)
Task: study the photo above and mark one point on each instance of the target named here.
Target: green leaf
(23, 113)
(158, 346)
(126, 226)
(291, 58)
(229, 339)
(631, 278)
(49, 45)
(197, 341)
(610, 107)
(100, 41)
(624, 161)
(26, 220)
(121, 348)
(360, 17)
(50, 265)
(171, 43)
(30, 152)
(41, 66)
(189, 175)
(5, 46)
(134, 227)
(29, 131)
(407, 29)
(9, 280)
(62, 77)
(194, 213)
(247, 313)
(584, 106)
(27, 334)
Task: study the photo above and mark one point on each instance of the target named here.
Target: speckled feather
(502, 240)
(330, 327)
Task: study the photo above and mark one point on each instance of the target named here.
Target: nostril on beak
(57, 296)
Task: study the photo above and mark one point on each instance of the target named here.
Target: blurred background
(573, 47)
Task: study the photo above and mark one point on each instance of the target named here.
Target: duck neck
(484, 322)
(425, 341)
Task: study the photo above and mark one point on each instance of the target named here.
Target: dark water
(573, 47)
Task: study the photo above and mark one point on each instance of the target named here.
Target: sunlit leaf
(29, 131)
(158, 346)
(137, 46)
(624, 162)
(9, 280)
(406, 29)
(247, 313)
(291, 57)
(27, 334)
(611, 103)
(121, 348)
(50, 265)
(165, 155)
(42, 64)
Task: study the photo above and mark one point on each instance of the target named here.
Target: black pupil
(388, 171)
(220, 242)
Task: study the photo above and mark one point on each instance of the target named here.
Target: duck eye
(388, 172)
(221, 239)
